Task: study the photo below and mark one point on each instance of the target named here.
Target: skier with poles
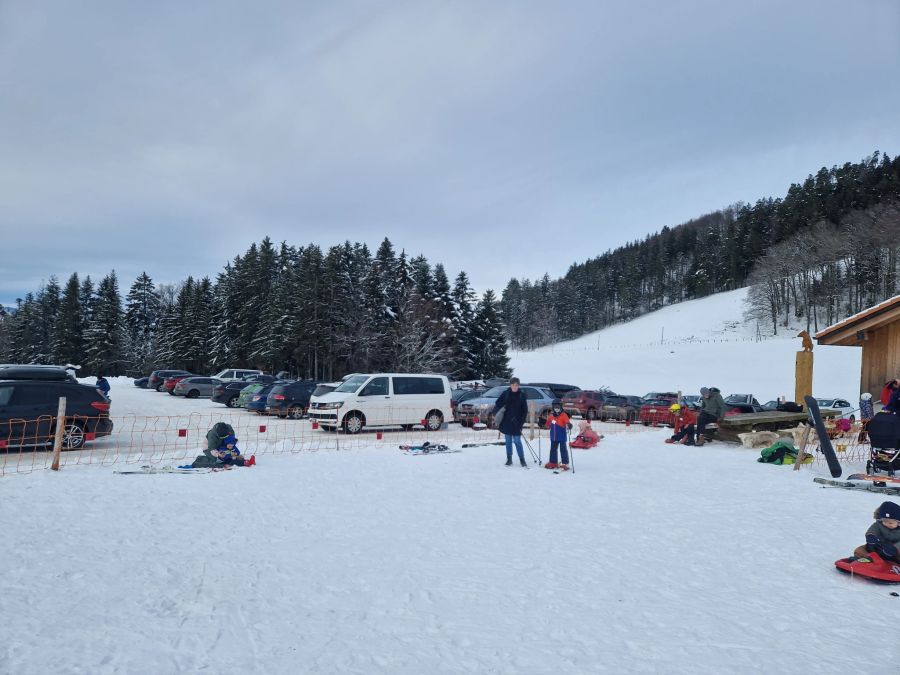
(515, 411)
(559, 425)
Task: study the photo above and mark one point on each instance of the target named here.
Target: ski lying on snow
(874, 478)
(427, 449)
(162, 469)
(478, 445)
(863, 486)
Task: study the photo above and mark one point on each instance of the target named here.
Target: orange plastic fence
(25, 446)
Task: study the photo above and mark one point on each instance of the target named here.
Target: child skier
(883, 536)
(559, 425)
(229, 454)
(685, 425)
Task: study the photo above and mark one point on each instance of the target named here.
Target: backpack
(777, 452)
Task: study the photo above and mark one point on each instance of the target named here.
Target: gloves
(885, 550)
(569, 426)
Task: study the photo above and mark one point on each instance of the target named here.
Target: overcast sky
(503, 138)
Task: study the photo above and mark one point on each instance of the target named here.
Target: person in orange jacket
(559, 425)
(685, 425)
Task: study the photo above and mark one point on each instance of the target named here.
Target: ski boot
(523, 462)
(509, 461)
(551, 465)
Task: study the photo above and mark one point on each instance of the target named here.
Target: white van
(235, 374)
(382, 400)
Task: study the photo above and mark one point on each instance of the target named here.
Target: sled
(878, 569)
(585, 442)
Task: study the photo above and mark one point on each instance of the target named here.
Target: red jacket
(684, 418)
(886, 393)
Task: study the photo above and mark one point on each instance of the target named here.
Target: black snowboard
(834, 466)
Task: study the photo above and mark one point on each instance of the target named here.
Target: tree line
(314, 314)
(826, 249)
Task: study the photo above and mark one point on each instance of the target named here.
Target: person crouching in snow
(229, 455)
(883, 536)
(685, 425)
(587, 437)
(559, 425)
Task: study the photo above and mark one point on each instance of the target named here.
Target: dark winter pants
(228, 460)
(563, 450)
(509, 443)
(704, 419)
(686, 431)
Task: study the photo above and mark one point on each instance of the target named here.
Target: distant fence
(26, 445)
(555, 349)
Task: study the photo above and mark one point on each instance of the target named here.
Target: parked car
(384, 399)
(323, 389)
(15, 371)
(28, 409)
(481, 408)
(195, 387)
(841, 404)
(741, 399)
(169, 384)
(618, 408)
(257, 402)
(158, 378)
(141, 382)
(692, 400)
(228, 392)
(661, 395)
(247, 393)
(742, 408)
(558, 390)
(236, 374)
(585, 403)
(460, 395)
(656, 411)
(770, 405)
(263, 379)
(291, 399)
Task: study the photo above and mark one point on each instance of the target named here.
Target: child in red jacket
(559, 425)
(685, 425)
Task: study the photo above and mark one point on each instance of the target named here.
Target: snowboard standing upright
(834, 466)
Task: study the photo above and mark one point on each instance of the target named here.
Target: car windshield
(572, 394)
(738, 398)
(825, 402)
(493, 392)
(352, 384)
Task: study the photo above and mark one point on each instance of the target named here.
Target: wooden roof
(846, 332)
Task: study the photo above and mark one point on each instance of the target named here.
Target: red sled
(878, 569)
(585, 442)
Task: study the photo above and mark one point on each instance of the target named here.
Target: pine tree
(463, 324)
(105, 336)
(142, 314)
(70, 325)
(489, 340)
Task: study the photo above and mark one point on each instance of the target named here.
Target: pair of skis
(866, 485)
(428, 448)
(147, 469)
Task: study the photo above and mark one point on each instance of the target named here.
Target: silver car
(539, 402)
(196, 387)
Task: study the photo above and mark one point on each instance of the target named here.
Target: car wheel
(354, 423)
(852, 419)
(193, 393)
(73, 435)
(542, 420)
(591, 414)
(434, 420)
(646, 423)
(295, 412)
(171, 392)
(231, 402)
(160, 388)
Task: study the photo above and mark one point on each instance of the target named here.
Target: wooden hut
(877, 331)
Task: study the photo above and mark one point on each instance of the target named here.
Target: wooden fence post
(60, 432)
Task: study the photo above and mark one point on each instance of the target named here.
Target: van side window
(377, 387)
(5, 394)
(531, 394)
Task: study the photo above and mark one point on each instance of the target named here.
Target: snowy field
(690, 345)
(649, 559)
(358, 558)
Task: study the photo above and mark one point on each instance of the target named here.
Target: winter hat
(675, 408)
(704, 391)
(230, 439)
(866, 397)
(888, 510)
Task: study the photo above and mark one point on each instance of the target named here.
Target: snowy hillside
(685, 346)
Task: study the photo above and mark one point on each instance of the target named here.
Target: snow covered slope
(686, 346)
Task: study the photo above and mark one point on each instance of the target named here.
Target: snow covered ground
(361, 559)
(649, 559)
(686, 346)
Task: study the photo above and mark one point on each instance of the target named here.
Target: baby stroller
(884, 434)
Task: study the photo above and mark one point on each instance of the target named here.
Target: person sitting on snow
(883, 536)
(229, 454)
(217, 447)
(587, 437)
(685, 425)
(559, 425)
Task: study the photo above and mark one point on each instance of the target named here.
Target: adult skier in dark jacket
(515, 411)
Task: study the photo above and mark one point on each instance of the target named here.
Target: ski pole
(571, 449)
(531, 450)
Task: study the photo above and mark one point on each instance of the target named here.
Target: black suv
(28, 410)
(290, 399)
(228, 392)
(559, 390)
